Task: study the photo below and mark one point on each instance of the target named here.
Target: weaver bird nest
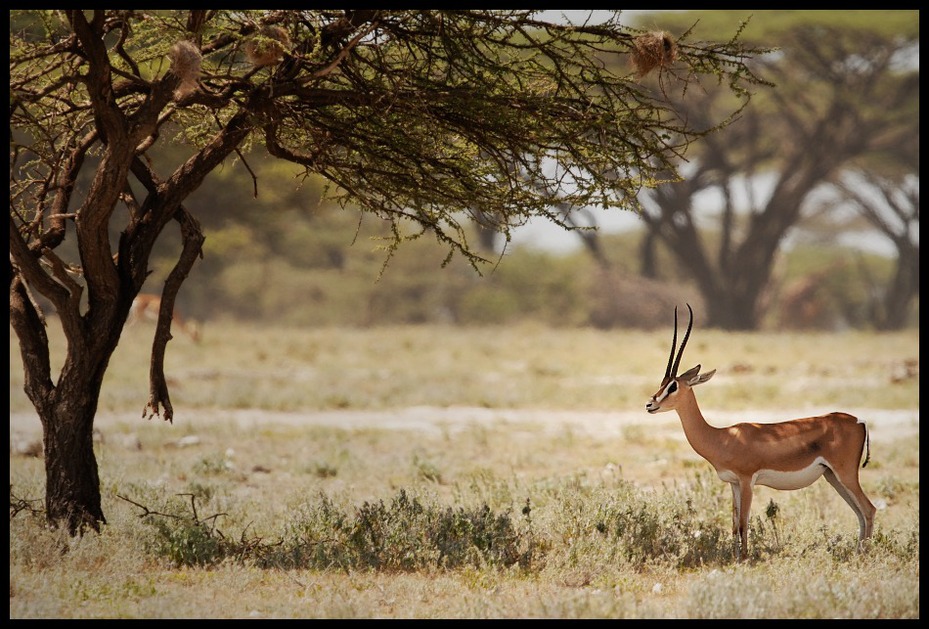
(185, 63)
(268, 47)
(653, 50)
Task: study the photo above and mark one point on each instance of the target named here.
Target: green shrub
(405, 535)
(188, 542)
(664, 530)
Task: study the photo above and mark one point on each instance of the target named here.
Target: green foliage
(678, 526)
(480, 103)
(181, 536)
(187, 543)
(407, 535)
(471, 93)
(670, 527)
(646, 534)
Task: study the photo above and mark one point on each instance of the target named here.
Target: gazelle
(785, 455)
(146, 306)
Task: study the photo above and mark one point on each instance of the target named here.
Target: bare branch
(193, 239)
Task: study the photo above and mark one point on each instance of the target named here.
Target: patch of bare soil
(884, 424)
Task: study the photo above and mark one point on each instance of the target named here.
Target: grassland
(440, 472)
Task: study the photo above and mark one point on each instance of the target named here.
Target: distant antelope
(785, 455)
(146, 306)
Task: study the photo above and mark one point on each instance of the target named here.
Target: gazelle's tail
(867, 443)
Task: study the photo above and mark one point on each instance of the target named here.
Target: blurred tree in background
(842, 119)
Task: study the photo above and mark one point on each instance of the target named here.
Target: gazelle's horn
(680, 352)
(667, 370)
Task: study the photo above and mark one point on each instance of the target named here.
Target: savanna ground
(440, 472)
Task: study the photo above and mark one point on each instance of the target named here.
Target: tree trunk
(736, 314)
(72, 485)
(67, 410)
(902, 289)
(72, 482)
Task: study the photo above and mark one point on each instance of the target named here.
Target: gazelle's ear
(699, 379)
(690, 373)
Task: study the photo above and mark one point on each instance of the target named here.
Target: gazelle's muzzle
(654, 404)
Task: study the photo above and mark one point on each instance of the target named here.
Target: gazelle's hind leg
(849, 488)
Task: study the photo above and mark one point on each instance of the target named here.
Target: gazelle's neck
(700, 435)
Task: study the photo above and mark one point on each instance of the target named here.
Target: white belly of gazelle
(795, 479)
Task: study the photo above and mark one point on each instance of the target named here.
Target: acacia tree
(417, 117)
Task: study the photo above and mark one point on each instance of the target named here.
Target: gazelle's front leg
(735, 509)
(745, 509)
(741, 507)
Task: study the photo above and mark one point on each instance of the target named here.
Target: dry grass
(285, 369)
(277, 419)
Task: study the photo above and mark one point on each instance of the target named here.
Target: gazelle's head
(674, 387)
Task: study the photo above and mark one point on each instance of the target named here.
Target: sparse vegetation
(471, 473)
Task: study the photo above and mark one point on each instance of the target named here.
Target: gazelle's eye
(673, 387)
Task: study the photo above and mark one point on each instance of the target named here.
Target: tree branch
(33, 343)
(193, 238)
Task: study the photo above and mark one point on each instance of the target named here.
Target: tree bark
(72, 489)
